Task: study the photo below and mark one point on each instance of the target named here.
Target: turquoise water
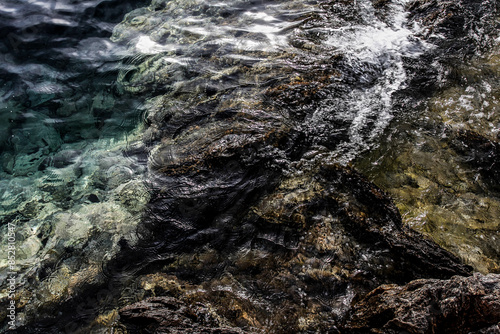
(65, 180)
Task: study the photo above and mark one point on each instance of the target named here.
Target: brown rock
(458, 305)
(169, 315)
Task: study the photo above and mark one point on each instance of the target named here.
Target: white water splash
(381, 45)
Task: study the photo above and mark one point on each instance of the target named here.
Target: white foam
(383, 45)
(145, 45)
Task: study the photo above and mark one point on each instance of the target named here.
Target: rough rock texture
(69, 219)
(296, 259)
(464, 23)
(292, 262)
(458, 305)
(444, 176)
(458, 30)
(167, 315)
(250, 213)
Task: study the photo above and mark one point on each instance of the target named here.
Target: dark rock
(245, 207)
(458, 22)
(381, 3)
(305, 248)
(415, 256)
(459, 29)
(458, 305)
(61, 159)
(93, 198)
(480, 152)
(162, 315)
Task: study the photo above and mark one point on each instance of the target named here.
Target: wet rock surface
(464, 24)
(461, 30)
(297, 259)
(440, 166)
(168, 315)
(458, 305)
(294, 261)
(482, 153)
(248, 219)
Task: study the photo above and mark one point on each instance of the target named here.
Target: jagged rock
(167, 315)
(298, 254)
(452, 27)
(293, 261)
(443, 176)
(458, 305)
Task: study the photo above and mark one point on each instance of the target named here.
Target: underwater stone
(451, 191)
(32, 143)
(118, 175)
(59, 183)
(62, 158)
(63, 238)
(235, 208)
(480, 152)
(133, 195)
(7, 161)
(295, 259)
(27, 164)
(306, 248)
(102, 106)
(448, 23)
(9, 111)
(35, 133)
(444, 195)
(67, 109)
(13, 193)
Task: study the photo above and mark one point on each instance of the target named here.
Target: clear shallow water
(444, 188)
(64, 128)
(206, 46)
(95, 113)
(59, 69)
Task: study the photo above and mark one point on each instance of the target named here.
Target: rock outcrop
(458, 305)
(167, 315)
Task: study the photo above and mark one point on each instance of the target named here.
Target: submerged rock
(440, 163)
(459, 22)
(482, 153)
(301, 254)
(291, 260)
(250, 223)
(458, 305)
(442, 183)
(66, 225)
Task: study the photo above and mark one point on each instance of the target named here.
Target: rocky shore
(236, 208)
